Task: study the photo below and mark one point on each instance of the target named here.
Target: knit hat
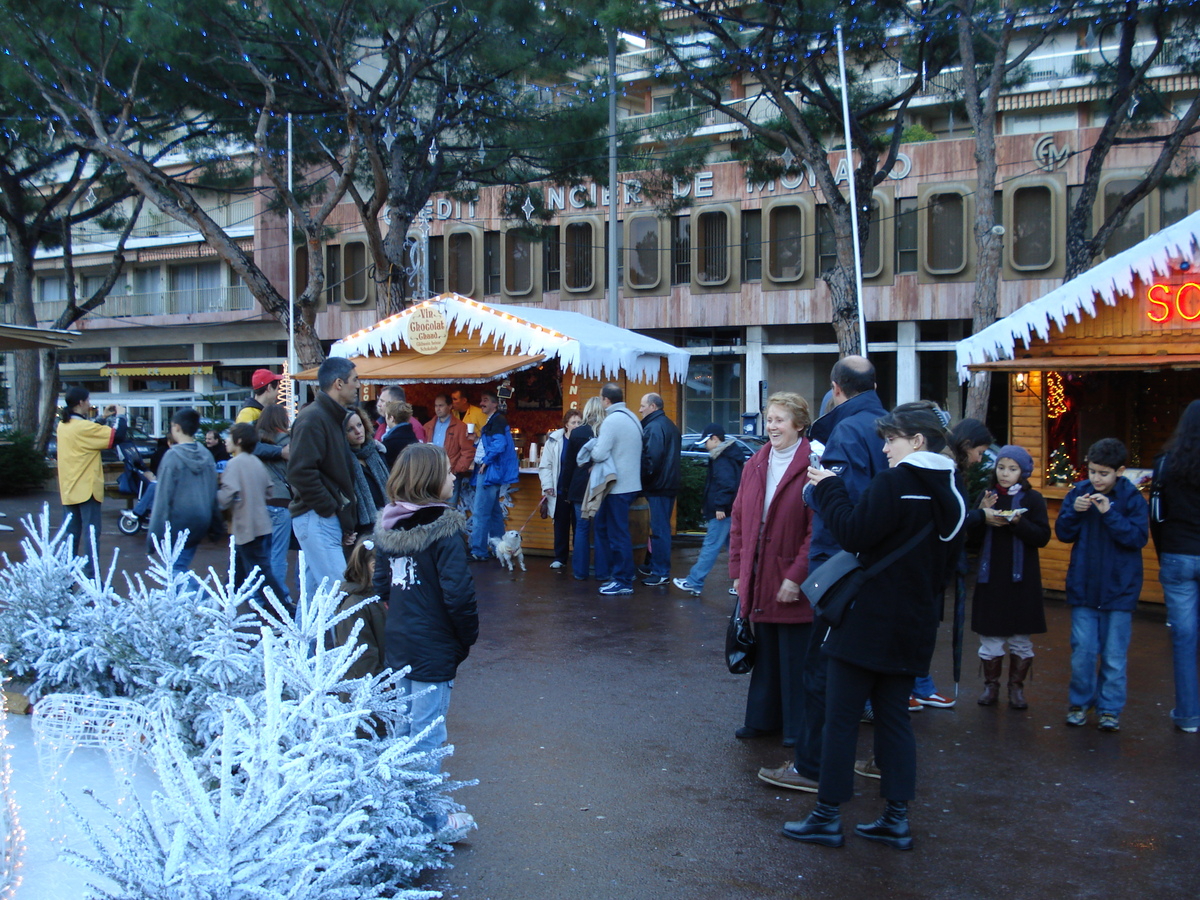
(1018, 455)
(711, 429)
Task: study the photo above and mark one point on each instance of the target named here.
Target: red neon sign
(1165, 301)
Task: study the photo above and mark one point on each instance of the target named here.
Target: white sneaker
(682, 584)
(458, 826)
(557, 564)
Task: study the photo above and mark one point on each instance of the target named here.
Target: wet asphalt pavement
(601, 733)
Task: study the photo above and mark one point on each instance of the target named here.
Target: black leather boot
(891, 828)
(823, 826)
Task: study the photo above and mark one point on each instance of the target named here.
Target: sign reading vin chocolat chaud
(426, 330)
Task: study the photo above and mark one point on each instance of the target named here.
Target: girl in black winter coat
(1008, 592)
(887, 635)
(421, 573)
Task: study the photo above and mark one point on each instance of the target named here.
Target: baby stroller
(136, 481)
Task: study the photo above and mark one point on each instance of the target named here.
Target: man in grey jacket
(620, 441)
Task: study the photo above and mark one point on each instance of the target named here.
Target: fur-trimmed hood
(417, 531)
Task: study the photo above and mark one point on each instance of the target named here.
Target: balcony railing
(159, 303)
(154, 223)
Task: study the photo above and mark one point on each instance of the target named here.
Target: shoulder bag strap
(908, 545)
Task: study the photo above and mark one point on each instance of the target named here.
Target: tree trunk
(50, 388)
(840, 281)
(985, 305)
(27, 376)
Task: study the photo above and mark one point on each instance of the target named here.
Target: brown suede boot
(1018, 669)
(991, 680)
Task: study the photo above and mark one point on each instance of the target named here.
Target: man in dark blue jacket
(661, 479)
(854, 450)
(497, 467)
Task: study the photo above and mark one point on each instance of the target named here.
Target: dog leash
(536, 510)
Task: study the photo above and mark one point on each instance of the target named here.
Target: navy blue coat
(1106, 562)
(853, 450)
(723, 477)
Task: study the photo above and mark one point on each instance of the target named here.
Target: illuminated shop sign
(1167, 300)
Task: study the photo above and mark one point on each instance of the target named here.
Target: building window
(906, 235)
(681, 250)
(356, 272)
(1173, 203)
(578, 262)
(551, 272)
(946, 233)
(437, 265)
(620, 255)
(1033, 227)
(491, 262)
(518, 263)
(872, 251)
(752, 245)
(826, 241)
(712, 247)
(787, 243)
(713, 393)
(333, 274)
(460, 270)
(412, 256)
(52, 289)
(1133, 229)
(196, 288)
(643, 252)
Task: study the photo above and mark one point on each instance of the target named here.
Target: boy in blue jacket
(1108, 522)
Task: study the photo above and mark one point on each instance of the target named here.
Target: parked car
(693, 446)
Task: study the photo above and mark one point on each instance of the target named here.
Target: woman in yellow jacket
(80, 474)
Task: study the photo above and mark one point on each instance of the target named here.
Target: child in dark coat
(1108, 522)
(1008, 593)
(726, 458)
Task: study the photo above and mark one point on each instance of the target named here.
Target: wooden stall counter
(538, 537)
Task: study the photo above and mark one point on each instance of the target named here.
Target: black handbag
(739, 643)
(836, 582)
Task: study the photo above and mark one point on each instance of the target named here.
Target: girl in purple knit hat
(1008, 593)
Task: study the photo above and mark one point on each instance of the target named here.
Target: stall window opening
(712, 247)
(946, 233)
(518, 263)
(460, 269)
(643, 252)
(752, 245)
(1033, 227)
(787, 243)
(577, 248)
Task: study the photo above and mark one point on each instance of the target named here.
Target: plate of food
(1010, 513)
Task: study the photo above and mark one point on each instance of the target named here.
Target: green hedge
(687, 506)
(24, 468)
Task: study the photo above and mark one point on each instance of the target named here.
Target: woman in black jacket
(887, 635)
(1175, 524)
(421, 572)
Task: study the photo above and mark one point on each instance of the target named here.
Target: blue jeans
(660, 535)
(923, 686)
(281, 538)
(585, 533)
(716, 538)
(183, 562)
(430, 700)
(1180, 577)
(612, 530)
(256, 553)
(320, 540)
(487, 519)
(1106, 633)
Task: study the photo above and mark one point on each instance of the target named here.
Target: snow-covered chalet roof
(592, 348)
(1108, 282)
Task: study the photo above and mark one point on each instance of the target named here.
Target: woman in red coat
(768, 560)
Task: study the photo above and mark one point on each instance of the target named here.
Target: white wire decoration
(64, 723)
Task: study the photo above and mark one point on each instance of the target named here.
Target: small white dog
(507, 549)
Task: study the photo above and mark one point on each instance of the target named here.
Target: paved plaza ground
(601, 733)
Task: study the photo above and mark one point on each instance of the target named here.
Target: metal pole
(613, 229)
(858, 285)
(291, 353)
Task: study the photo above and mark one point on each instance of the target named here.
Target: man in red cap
(265, 385)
